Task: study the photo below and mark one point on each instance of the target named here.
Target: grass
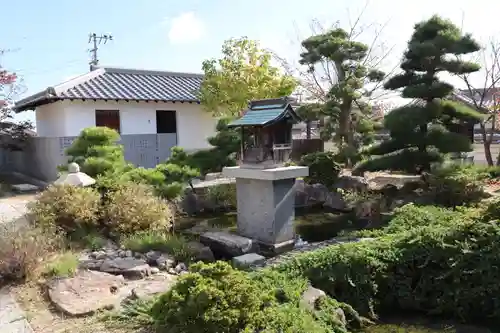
(63, 265)
(173, 244)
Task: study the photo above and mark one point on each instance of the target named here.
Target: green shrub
(133, 208)
(67, 207)
(223, 196)
(212, 298)
(217, 298)
(322, 168)
(456, 185)
(158, 241)
(444, 265)
(22, 250)
(97, 152)
(64, 265)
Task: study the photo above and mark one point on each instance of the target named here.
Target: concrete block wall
(43, 155)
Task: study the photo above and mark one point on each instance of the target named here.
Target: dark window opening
(166, 122)
(108, 118)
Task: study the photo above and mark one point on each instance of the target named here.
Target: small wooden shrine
(266, 131)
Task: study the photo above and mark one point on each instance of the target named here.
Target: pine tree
(423, 131)
(348, 115)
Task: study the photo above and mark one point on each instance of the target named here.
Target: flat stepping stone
(86, 292)
(151, 286)
(25, 188)
(227, 244)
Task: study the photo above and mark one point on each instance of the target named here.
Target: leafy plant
(67, 207)
(454, 185)
(146, 241)
(222, 195)
(322, 168)
(22, 251)
(428, 260)
(212, 298)
(133, 208)
(64, 265)
(97, 152)
(244, 73)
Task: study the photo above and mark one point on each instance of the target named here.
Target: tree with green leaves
(423, 131)
(243, 73)
(348, 115)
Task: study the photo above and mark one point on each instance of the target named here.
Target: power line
(97, 40)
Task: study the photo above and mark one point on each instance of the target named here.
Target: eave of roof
(120, 84)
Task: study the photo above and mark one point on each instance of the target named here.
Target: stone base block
(226, 244)
(248, 260)
(271, 250)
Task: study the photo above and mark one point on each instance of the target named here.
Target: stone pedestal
(266, 209)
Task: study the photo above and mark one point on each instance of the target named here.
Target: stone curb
(12, 317)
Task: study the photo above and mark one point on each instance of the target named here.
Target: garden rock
(310, 296)
(348, 182)
(248, 260)
(152, 257)
(181, 267)
(99, 255)
(339, 313)
(153, 285)
(334, 200)
(128, 267)
(200, 252)
(227, 244)
(165, 261)
(92, 264)
(86, 292)
(155, 270)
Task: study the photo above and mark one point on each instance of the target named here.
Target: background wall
(69, 118)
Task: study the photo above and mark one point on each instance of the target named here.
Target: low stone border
(12, 317)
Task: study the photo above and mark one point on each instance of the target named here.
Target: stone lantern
(74, 177)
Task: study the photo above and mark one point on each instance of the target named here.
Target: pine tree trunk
(422, 147)
(308, 129)
(487, 139)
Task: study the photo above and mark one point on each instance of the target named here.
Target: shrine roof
(266, 112)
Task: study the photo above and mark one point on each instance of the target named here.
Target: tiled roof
(120, 84)
(264, 112)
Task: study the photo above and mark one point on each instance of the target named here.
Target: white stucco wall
(68, 118)
(49, 120)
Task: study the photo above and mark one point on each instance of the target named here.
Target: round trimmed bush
(67, 207)
(212, 298)
(132, 208)
(322, 168)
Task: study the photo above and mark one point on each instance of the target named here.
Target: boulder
(152, 257)
(157, 284)
(310, 296)
(165, 261)
(334, 200)
(227, 244)
(86, 292)
(200, 252)
(128, 267)
(349, 182)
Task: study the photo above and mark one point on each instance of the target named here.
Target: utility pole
(97, 40)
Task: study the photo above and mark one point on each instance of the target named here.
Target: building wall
(69, 118)
(49, 120)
